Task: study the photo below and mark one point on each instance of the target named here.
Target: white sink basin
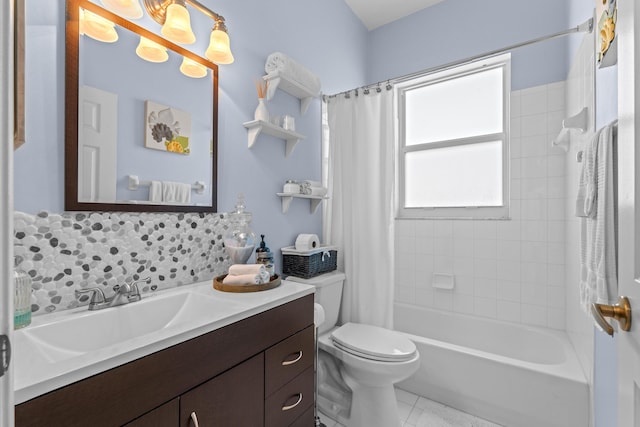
(94, 330)
(61, 348)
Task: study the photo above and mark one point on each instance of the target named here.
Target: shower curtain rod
(586, 26)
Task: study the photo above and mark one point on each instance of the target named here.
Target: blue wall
(453, 30)
(324, 36)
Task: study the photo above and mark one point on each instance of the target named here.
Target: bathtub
(512, 375)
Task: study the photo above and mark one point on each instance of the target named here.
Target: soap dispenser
(22, 301)
(265, 256)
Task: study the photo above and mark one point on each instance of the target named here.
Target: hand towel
(176, 192)
(585, 201)
(155, 192)
(278, 61)
(599, 279)
(240, 269)
(243, 279)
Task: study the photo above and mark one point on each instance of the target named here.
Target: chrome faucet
(125, 293)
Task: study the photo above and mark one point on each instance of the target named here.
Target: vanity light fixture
(97, 27)
(151, 51)
(126, 8)
(177, 24)
(219, 50)
(191, 68)
(174, 17)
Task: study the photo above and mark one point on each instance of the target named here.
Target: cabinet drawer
(287, 359)
(290, 402)
(307, 419)
(166, 415)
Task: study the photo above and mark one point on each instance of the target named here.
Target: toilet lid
(373, 342)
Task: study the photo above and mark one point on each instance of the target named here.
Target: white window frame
(466, 212)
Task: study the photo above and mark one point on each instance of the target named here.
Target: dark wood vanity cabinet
(255, 372)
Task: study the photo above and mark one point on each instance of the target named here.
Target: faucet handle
(97, 295)
(135, 291)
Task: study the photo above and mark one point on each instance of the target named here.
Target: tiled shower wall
(513, 269)
(65, 252)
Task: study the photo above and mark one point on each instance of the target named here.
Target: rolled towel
(242, 269)
(242, 279)
(318, 191)
(278, 61)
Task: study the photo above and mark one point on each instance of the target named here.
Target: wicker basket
(309, 264)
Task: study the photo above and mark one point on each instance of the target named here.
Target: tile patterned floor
(416, 411)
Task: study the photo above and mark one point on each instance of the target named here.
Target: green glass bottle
(22, 302)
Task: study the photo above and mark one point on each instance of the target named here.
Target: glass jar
(22, 301)
(240, 241)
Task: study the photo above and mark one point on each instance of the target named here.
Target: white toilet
(358, 364)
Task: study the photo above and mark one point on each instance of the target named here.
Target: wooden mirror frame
(72, 63)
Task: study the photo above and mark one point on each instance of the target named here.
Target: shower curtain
(358, 217)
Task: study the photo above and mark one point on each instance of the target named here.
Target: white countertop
(40, 367)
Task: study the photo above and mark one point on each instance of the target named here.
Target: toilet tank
(328, 294)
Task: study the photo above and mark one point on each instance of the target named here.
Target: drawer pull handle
(194, 419)
(286, 408)
(291, 362)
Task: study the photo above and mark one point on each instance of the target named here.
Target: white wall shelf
(255, 127)
(288, 197)
(277, 80)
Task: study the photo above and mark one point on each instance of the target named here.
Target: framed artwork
(166, 128)
(606, 18)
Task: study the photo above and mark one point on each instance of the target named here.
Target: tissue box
(307, 264)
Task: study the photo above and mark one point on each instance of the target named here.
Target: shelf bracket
(253, 135)
(314, 205)
(286, 202)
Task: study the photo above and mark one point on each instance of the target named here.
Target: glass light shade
(151, 51)
(98, 28)
(125, 8)
(219, 50)
(192, 68)
(177, 26)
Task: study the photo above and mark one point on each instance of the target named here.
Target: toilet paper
(307, 242)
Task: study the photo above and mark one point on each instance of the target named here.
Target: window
(453, 142)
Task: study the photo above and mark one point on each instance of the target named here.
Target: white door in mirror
(97, 148)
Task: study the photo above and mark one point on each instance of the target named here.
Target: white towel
(599, 279)
(155, 192)
(278, 61)
(176, 192)
(587, 188)
(243, 279)
(240, 269)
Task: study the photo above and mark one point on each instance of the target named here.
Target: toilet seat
(373, 342)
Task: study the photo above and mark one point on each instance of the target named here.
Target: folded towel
(155, 191)
(243, 279)
(598, 276)
(176, 192)
(240, 269)
(278, 61)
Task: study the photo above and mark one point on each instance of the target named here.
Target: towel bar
(135, 183)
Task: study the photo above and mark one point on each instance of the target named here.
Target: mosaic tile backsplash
(78, 250)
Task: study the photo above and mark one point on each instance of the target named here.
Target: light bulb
(151, 51)
(192, 68)
(177, 26)
(98, 28)
(219, 50)
(125, 8)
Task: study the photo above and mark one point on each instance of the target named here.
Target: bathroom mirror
(140, 135)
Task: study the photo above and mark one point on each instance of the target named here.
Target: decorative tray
(217, 284)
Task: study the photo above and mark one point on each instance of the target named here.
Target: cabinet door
(163, 416)
(233, 398)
